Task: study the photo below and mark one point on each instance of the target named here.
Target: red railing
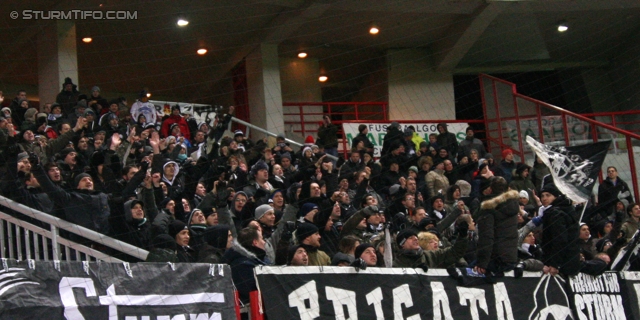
(509, 116)
(307, 115)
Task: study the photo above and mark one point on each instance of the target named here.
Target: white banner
(377, 131)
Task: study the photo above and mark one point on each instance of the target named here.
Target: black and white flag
(574, 169)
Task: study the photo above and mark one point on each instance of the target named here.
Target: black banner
(98, 290)
(574, 169)
(375, 293)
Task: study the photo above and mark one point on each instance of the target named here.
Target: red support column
(254, 302)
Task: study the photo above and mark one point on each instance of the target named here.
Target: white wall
(416, 91)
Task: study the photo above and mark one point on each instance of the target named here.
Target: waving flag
(574, 169)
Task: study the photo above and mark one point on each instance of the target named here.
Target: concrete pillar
(264, 90)
(57, 58)
(416, 90)
(299, 79)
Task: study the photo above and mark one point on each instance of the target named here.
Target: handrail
(332, 157)
(597, 127)
(76, 229)
(578, 116)
(49, 235)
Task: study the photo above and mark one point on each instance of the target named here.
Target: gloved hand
(462, 229)
(221, 200)
(518, 271)
(144, 165)
(289, 228)
(34, 160)
(424, 267)
(359, 264)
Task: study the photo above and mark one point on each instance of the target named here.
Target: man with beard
(308, 237)
(297, 256)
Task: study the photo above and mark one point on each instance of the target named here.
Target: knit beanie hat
(262, 210)
(306, 208)
(305, 230)
(238, 133)
(175, 227)
(191, 215)
(30, 113)
(65, 152)
(164, 241)
(260, 165)
(436, 197)
(524, 194)
(403, 235)
(361, 248)
(552, 189)
(216, 236)
(521, 167)
(22, 156)
(308, 141)
(80, 177)
(506, 152)
(291, 252)
(341, 257)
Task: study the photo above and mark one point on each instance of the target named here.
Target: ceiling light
(302, 55)
(202, 51)
(87, 40)
(182, 22)
(373, 29)
(323, 78)
(562, 27)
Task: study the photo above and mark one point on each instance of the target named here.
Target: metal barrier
(23, 240)
(306, 115)
(511, 116)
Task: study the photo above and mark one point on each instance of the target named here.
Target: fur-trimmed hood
(494, 202)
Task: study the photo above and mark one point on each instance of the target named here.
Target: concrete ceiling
(463, 36)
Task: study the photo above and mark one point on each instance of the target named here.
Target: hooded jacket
(560, 233)
(139, 232)
(498, 229)
(448, 140)
(242, 262)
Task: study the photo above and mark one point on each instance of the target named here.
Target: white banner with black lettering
(99, 290)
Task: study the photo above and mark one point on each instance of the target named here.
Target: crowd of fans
(187, 192)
